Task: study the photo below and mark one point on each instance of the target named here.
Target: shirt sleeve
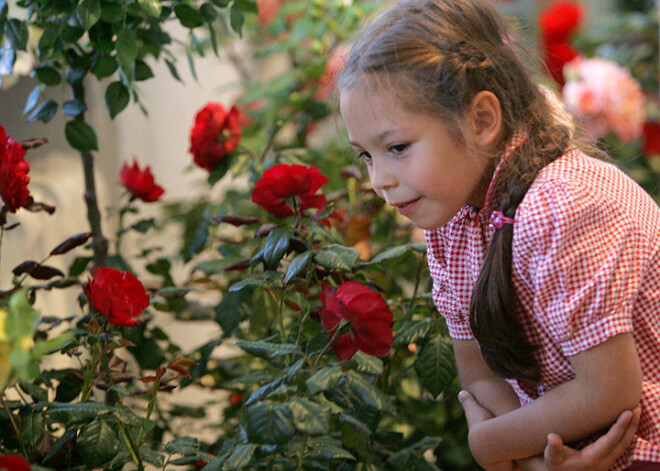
(446, 302)
(585, 259)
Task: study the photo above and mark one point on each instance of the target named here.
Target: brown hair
(434, 56)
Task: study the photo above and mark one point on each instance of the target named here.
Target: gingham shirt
(586, 267)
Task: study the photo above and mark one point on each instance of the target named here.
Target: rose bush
(140, 183)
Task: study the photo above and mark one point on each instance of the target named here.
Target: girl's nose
(382, 177)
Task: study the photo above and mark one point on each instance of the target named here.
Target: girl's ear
(485, 118)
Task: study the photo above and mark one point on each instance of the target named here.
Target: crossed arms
(608, 381)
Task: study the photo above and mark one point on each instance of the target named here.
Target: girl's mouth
(406, 208)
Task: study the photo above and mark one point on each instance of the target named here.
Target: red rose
(556, 56)
(140, 183)
(368, 314)
(285, 187)
(117, 295)
(13, 173)
(235, 398)
(651, 138)
(14, 463)
(557, 23)
(268, 11)
(560, 20)
(215, 133)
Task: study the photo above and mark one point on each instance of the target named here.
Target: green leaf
(435, 364)
(116, 98)
(17, 34)
(276, 244)
(324, 379)
(310, 417)
(142, 70)
(267, 350)
(236, 19)
(104, 66)
(81, 136)
(185, 445)
(392, 253)
(236, 287)
(328, 452)
(337, 257)
(79, 265)
(97, 443)
(48, 39)
(7, 60)
(220, 169)
(230, 311)
(172, 69)
(76, 412)
(32, 426)
(44, 112)
(240, 457)
(269, 424)
(152, 456)
(188, 16)
(68, 437)
(89, 13)
(297, 265)
(412, 332)
(32, 100)
(73, 108)
(48, 75)
(127, 48)
(220, 3)
(355, 435)
(367, 393)
(196, 231)
(37, 393)
(152, 7)
(247, 6)
(112, 12)
(368, 364)
(209, 12)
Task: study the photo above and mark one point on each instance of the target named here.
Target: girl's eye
(397, 148)
(364, 156)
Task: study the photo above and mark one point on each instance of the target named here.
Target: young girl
(545, 261)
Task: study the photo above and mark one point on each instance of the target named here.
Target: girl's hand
(475, 413)
(597, 456)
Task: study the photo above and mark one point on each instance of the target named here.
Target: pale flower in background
(604, 96)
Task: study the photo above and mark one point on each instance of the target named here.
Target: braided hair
(434, 56)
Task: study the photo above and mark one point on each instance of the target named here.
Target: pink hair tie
(498, 219)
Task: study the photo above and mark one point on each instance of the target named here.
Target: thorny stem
(418, 276)
(14, 425)
(134, 452)
(99, 242)
(150, 409)
(325, 348)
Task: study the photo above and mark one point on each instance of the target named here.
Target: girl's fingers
(614, 438)
(554, 450)
(474, 412)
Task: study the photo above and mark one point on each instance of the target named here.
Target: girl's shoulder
(577, 185)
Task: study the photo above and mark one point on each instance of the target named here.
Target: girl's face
(414, 164)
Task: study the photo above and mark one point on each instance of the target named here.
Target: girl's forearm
(608, 381)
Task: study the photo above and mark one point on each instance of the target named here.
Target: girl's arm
(608, 380)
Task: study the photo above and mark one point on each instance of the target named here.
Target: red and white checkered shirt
(586, 267)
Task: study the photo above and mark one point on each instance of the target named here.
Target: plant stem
(99, 242)
(150, 409)
(14, 425)
(134, 452)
